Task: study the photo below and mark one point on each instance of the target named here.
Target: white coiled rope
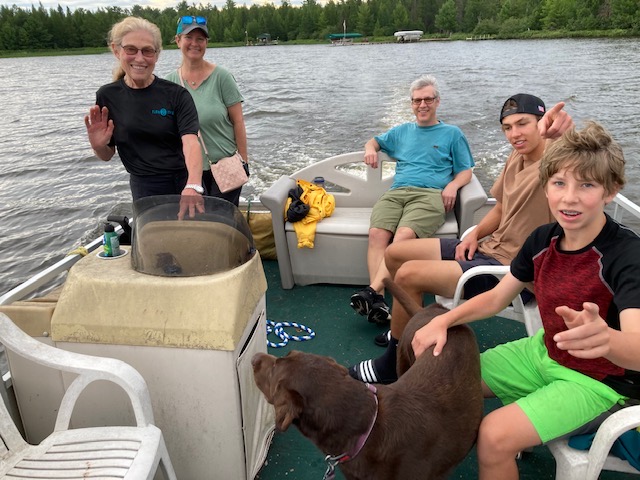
(277, 328)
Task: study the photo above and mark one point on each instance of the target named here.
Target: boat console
(186, 308)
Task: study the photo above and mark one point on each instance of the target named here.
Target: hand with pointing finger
(555, 122)
(588, 335)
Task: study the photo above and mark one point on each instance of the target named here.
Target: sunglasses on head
(188, 20)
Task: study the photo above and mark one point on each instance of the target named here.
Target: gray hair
(425, 81)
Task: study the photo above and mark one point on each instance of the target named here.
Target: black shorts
(481, 283)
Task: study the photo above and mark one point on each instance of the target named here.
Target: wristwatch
(196, 187)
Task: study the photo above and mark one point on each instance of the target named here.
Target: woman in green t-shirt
(217, 98)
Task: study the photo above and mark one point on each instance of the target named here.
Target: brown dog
(419, 427)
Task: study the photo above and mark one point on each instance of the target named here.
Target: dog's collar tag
(332, 462)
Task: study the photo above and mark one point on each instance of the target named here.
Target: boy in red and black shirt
(584, 267)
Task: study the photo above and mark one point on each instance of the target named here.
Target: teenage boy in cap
(434, 265)
(566, 378)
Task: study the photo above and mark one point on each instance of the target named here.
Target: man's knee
(379, 237)
(404, 233)
(496, 439)
(392, 258)
(404, 276)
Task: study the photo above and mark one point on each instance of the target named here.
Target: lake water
(302, 104)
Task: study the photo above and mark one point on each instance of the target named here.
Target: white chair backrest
(349, 172)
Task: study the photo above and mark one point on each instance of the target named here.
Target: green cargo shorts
(420, 209)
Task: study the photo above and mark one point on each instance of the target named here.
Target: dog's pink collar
(334, 461)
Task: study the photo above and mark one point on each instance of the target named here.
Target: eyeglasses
(427, 100)
(146, 51)
(188, 20)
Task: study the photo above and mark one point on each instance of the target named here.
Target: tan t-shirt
(524, 208)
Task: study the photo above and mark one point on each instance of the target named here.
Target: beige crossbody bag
(228, 172)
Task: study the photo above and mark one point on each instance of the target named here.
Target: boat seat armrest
(471, 197)
(275, 197)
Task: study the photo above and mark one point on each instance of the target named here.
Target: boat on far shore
(264, 39)
(408, 36)
(343, 39)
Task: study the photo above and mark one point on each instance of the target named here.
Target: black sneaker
(382, 339)
(380, 312)
(362, 301)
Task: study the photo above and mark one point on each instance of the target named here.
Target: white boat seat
(125, 452)
(340, 252)
(355, 221)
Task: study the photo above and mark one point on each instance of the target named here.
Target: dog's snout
(262, 360)
(255, 360)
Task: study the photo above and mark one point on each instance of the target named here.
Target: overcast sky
(160, 4)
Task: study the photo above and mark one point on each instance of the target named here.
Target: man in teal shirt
(433, 161)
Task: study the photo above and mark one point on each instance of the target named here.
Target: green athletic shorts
(420, 209)
(557, 399)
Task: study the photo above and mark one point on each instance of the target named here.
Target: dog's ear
(288, 406)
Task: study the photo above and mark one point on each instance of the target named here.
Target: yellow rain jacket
(321, 204)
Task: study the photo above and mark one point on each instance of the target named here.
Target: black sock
(385, 364)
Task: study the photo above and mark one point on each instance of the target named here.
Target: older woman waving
(151, 122)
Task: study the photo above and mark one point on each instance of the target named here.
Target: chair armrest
(87, 367)
(471, 197)
(614, 426)
(467, 231)
(275, 198)
(497, 271)
(528, 314)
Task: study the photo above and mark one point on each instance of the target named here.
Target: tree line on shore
(59, 28)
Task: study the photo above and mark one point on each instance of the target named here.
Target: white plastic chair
(128, 452)
(573, 464)
(527, 314)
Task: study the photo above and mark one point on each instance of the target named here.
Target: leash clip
(332, 462)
